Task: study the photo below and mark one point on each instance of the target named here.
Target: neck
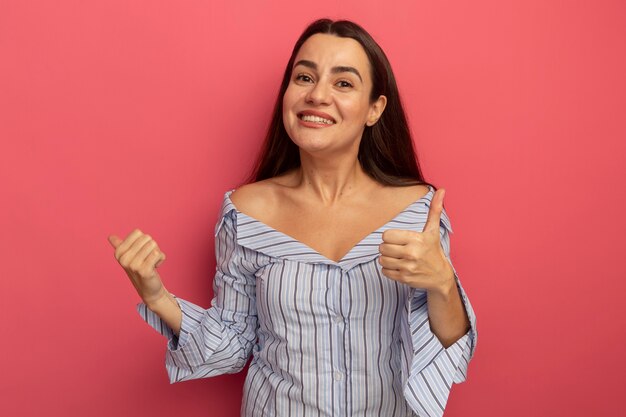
(331, 179)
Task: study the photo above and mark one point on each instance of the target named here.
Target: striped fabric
(327, 338)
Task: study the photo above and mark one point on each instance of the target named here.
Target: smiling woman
(333, 262)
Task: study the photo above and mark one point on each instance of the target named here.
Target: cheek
(354, 110)
(288, 117)
(288, 102)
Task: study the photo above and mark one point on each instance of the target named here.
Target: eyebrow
(334, 70)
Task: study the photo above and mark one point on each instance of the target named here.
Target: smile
(315, 119)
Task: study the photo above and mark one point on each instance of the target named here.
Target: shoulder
(407, 194)
(260, 197)
(417, 191)
(423, 195)
(252, 197)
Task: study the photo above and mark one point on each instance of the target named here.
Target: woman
(333, 265)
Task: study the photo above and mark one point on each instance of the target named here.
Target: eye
(344, 84)
(304, 78)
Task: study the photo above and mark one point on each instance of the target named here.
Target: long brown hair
(386, 151)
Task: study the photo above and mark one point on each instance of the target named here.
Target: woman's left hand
(417, 258)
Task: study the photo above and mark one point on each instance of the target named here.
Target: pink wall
(118, 114)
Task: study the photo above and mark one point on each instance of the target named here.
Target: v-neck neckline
(346, 257)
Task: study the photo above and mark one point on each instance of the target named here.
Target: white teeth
(316, 119)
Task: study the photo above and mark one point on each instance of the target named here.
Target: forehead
(330, 50)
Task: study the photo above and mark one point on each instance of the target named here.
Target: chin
(311, 146)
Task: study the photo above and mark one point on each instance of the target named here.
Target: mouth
(308, 116)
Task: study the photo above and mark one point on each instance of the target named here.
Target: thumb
(114, 241)
(434, 214)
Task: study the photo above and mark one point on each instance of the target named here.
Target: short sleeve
(432, 368)
(218, 340)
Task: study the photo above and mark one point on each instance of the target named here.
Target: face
(327, 103)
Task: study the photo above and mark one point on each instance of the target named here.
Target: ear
(376, 110)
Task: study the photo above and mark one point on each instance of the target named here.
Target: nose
(319, 93)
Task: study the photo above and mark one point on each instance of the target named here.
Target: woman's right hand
(140, 255)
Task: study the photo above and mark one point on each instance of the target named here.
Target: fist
(417, 258)
(140, 255)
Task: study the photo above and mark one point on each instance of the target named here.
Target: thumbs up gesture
(417, 258)
(140, 255)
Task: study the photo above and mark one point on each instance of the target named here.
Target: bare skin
(330, 225)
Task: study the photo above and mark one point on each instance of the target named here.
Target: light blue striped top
(327, 338)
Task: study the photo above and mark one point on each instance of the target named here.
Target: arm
(433, 367)
(421, 260)
(219, 340)
(168, 310)
(448, 318)
(440, 338)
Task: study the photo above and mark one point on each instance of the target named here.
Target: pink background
(122, 114)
